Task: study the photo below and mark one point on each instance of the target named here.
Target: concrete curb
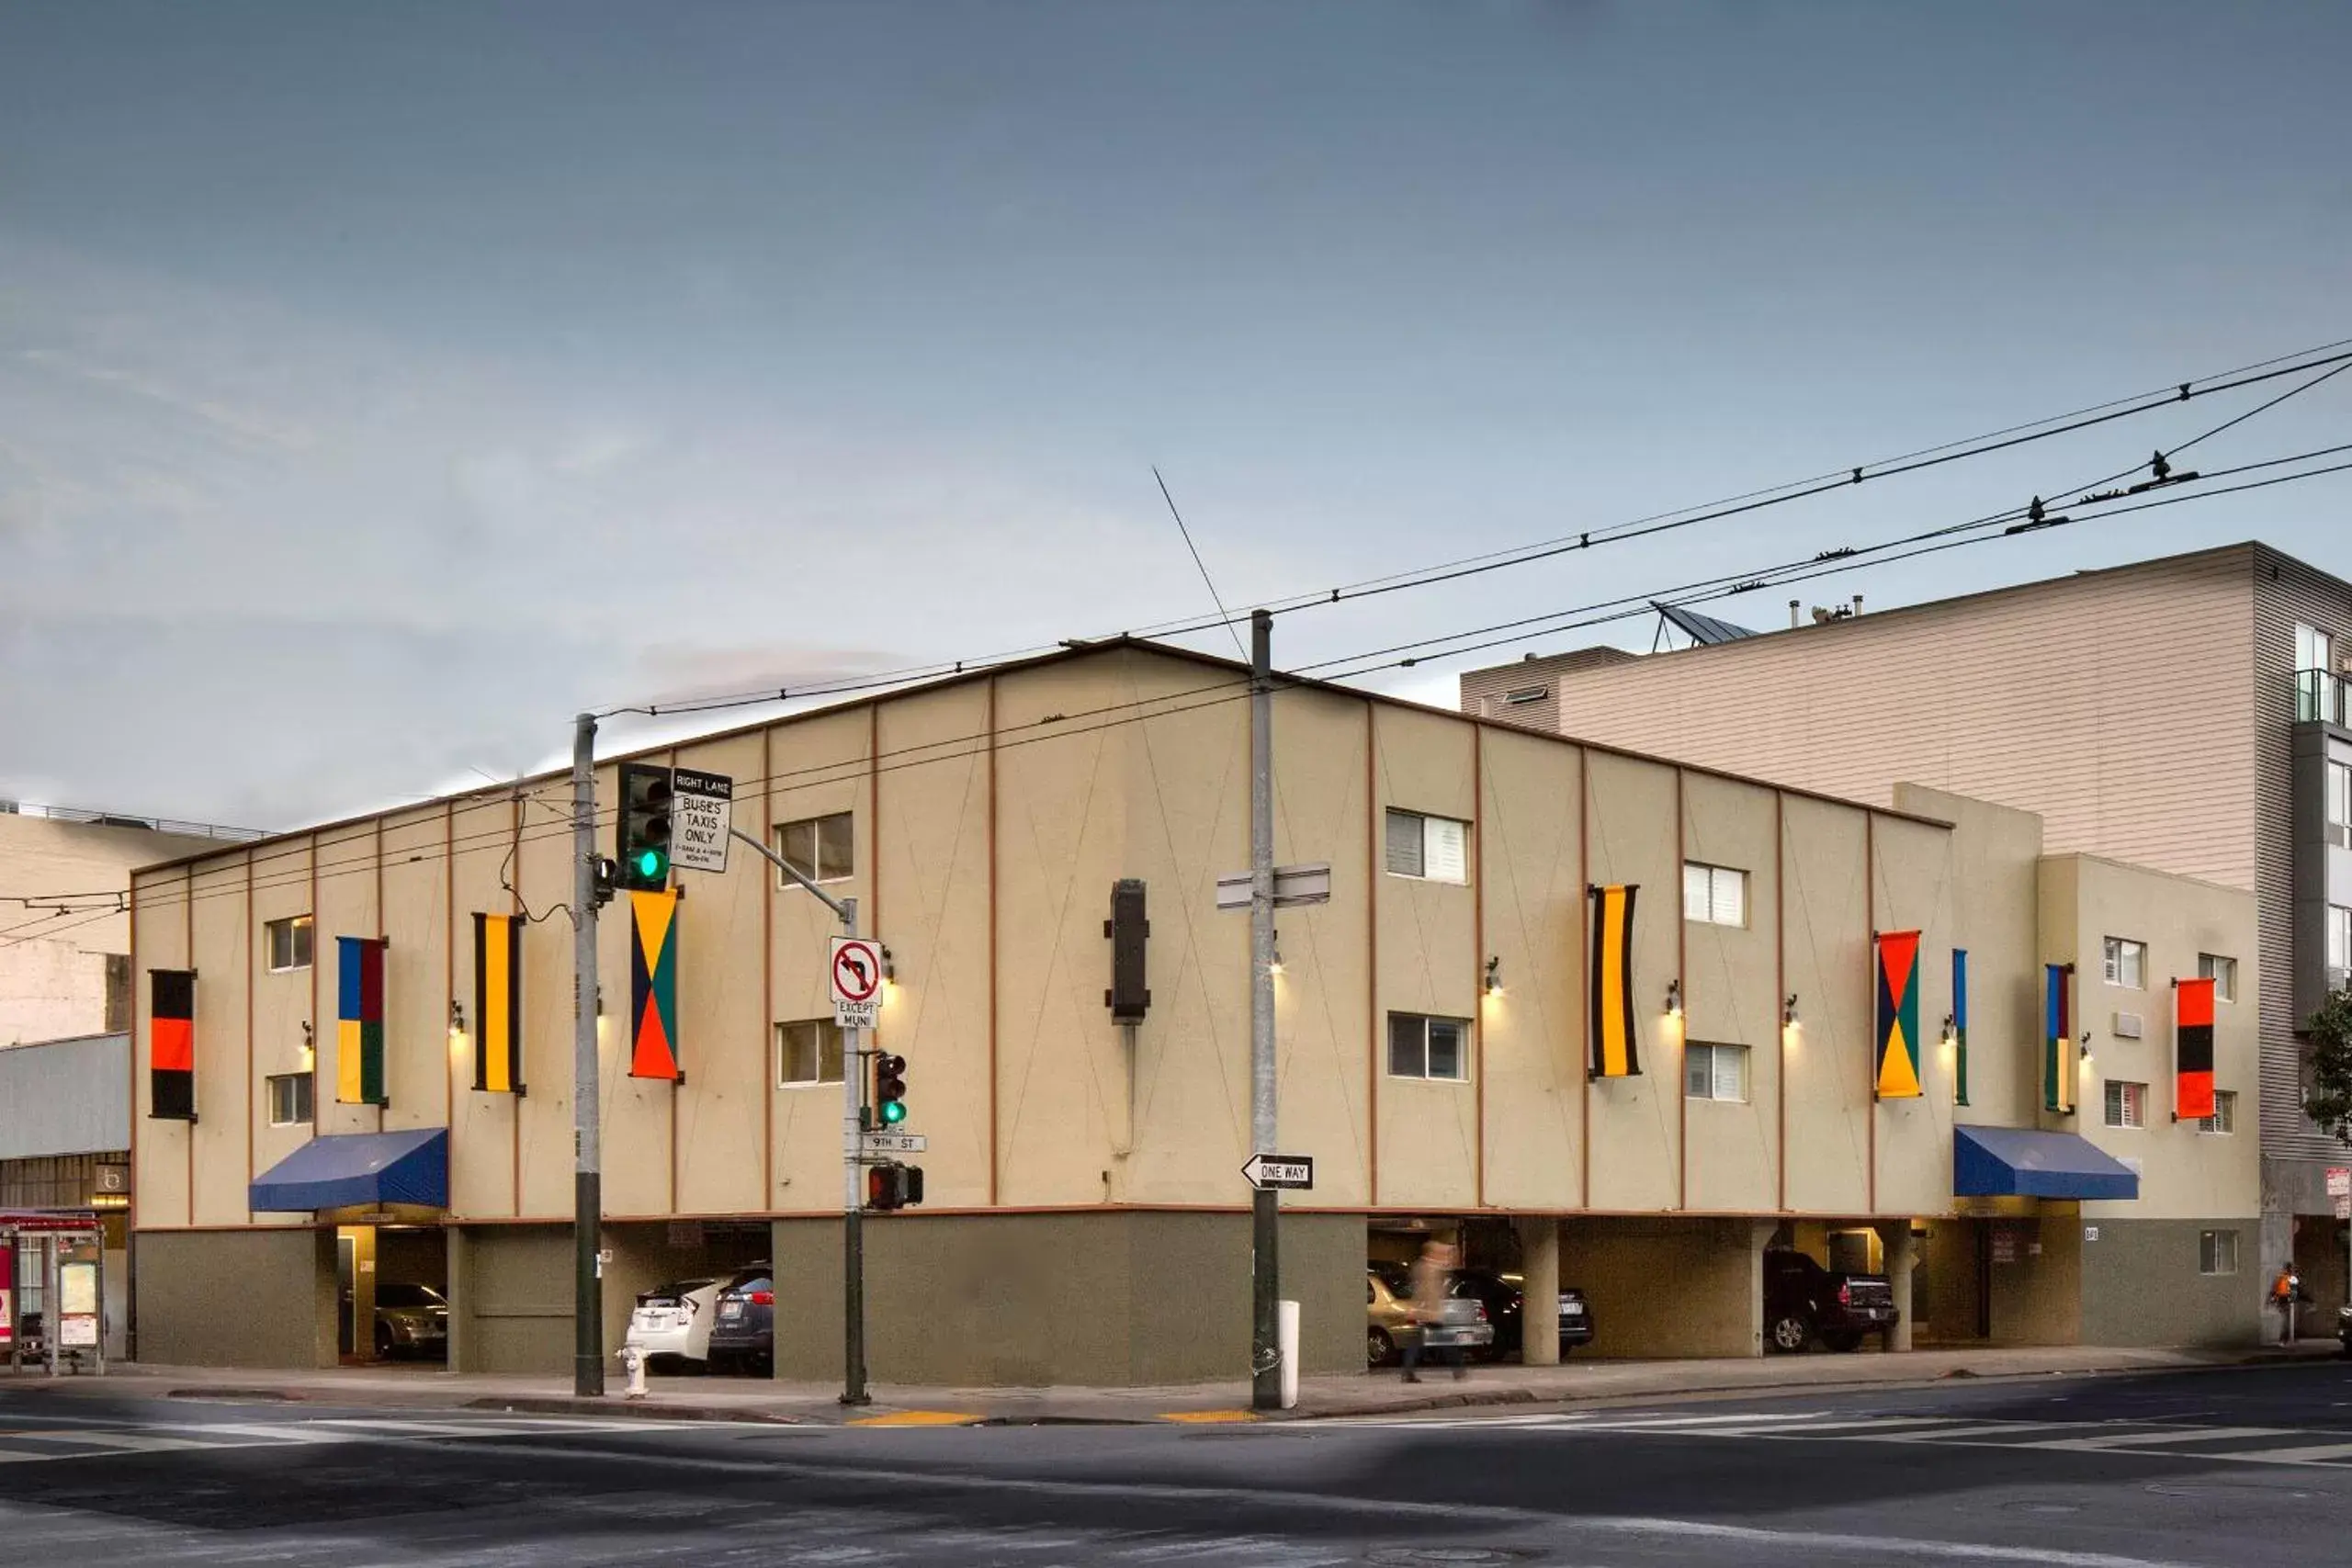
(529, 1405)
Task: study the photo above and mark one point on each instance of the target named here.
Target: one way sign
(1294, 1173)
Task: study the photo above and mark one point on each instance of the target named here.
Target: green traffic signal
(650, 864)
(894, 1112)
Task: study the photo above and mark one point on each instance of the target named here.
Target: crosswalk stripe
(2157, 1440)
(2317, 1453)
(1979, 1432)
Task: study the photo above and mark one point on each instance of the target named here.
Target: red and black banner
(2192, 1033)
(170, 1044)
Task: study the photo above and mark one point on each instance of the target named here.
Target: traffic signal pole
(1265, 1263)
(587, 1096)
(853, 1127)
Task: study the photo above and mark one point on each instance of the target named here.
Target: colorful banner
(498, 1004)
(359, 1020)
(1615, 1053)
(7, 1292)
(1898, 1015)
(2058, 1047)
(1960, 1025)
(653, 986)
(2192, 1037)
(170, 1044)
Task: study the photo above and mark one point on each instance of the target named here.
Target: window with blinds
(1715, 895)
(1435, 849)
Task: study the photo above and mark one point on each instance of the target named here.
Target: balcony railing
(2320, 696)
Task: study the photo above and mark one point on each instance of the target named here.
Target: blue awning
(2005, 1162)
(347, 1170)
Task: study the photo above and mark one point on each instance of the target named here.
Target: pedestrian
(2283, 1291)
(1432, 1277)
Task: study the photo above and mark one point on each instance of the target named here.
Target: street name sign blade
(1293, 1173)
(1294, 885)
(893, 1143)
(702, 810)
(854, 975)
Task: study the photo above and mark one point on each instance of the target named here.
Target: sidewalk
(1366, 1393)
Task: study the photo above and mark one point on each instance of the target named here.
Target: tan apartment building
(2187, 714)
(1085, 1218)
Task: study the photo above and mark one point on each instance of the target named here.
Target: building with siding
(1085, 1219)
(2187, 714)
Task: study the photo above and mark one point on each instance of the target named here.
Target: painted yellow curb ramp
(920, 1418)
(1209, 1417)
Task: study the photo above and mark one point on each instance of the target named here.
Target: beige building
(1085, 1219)
(2187, 714)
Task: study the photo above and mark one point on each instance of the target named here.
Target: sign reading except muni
(702, 809)
(1290, 1172)
(855, 975)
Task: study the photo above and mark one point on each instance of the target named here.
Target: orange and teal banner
(2192, 1035)
(360, 1020)
(1615, 1049)
(2058, 1047)
(170, 1044)
(1897, 963)
(653, 986)
(498, 1004)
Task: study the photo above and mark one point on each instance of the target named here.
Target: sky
(379, 385)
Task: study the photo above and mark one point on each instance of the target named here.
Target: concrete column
(1538, 1260)
(1901, 1256)
(463, 1358)
(1759, 1236)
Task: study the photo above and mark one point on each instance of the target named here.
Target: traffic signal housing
(891, 1186)
(641, 831)
(890, 1090)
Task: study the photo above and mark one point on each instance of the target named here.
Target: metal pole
(1266, 1257)
(853, 1202)
(587, 1093)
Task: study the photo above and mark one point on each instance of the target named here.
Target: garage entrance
(663, 1284)
(391, 1291)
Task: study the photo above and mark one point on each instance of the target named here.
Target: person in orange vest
(2283, 1291)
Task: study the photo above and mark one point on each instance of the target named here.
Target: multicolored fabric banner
(2058, 1047)
(360, 1020)
(170, 1044)
(1615, 1054)
(1898, 1015)
(1960, 1025)
(653, 986)
(498, 1004)
(2192, 1037)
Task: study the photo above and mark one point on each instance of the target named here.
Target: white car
(672, 1323)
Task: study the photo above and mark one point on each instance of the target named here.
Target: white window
(2223, 972)
(289, 1099)
(1436, 849)
(2217, 1252)
(2127, 962)
(2339, 805)
(1715, 895)
(2127, 1103)
(1428, 1048)
(807, 1052)
(288, 942)
(2339, 937)
(2225, 1113)
(822, 849)
(2314, 649)
(1715, 1072)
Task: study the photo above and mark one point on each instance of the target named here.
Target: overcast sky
(380, 384)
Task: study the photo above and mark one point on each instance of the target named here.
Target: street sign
(855, 973)
(2344, 1207)
(2339, 1181)
(1294, 884)
(893, 1143)
(1294, 1173)
(702, 809)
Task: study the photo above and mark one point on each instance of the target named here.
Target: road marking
(2320, 1453)
(2154, 1440)
(920, 1418)
(1209, 1417)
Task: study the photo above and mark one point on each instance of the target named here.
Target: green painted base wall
(2141, 1285)
(1125, 1298)
(510, 1300)
(246, 1298)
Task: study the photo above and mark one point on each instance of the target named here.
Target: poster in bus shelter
(7, 1291)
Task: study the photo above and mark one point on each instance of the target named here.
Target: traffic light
(1128, 997)
(891, 1186)
(642, 829)
(889, 1090)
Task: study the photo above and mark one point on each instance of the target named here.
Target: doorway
(355, 1293)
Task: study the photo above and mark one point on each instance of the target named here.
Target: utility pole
(1265, 1260)
(587, 1095)
(853, 1140)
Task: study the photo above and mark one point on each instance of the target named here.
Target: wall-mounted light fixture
(1495, 975)
(1674, 998)
(889, 969)
(2084, 1057)
(1789, 1011)
(1274, 964)
(310, 1047)
(457, 1026)
(1951, 1033)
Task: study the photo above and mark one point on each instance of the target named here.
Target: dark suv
(1505, 1299)
(743, 1336)
(1803, 1302)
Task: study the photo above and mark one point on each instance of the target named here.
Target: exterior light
(456, 1024)
(1495, 975)
(890, 970)
(1789, 1012)
(1674, 998)
(1274, 964)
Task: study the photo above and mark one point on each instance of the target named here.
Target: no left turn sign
(855, 973)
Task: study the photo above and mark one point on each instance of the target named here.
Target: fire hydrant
(633, 1359)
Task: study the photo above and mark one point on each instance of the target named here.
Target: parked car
(742, 1334)
(1391, 1324)
(672, 1323)
(1504, 1295)
(412, 1321)
(1803, 1302)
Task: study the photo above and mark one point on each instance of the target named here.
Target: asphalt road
(2232, 1467)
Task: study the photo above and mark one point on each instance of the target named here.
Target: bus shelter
(51, 1290)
